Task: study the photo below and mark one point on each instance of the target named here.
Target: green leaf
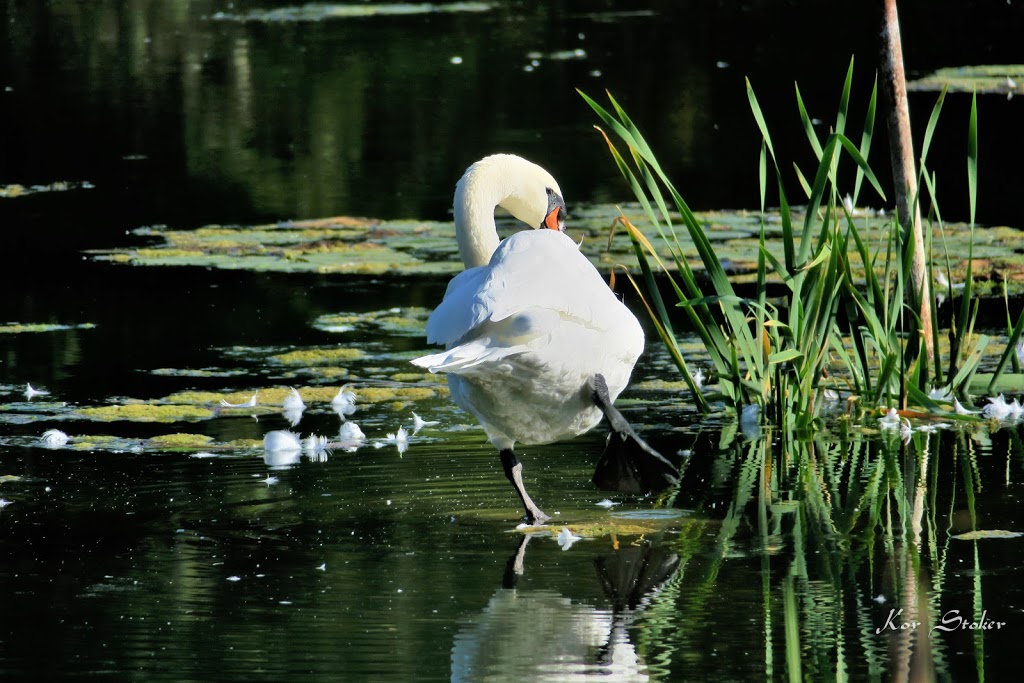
(812, 137)
(972, 156)
(784, 356)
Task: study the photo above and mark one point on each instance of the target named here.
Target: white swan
(537, 346)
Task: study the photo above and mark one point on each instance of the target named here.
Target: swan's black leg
(628, 463)
(514, 472)
(516, 564)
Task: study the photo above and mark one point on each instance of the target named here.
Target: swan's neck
(475, 231)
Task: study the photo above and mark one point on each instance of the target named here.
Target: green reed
(776, 352)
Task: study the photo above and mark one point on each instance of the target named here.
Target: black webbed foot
(628, 464)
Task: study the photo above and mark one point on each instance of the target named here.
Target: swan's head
(532, 195)
(521, 187)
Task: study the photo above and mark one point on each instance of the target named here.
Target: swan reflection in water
(542, 635)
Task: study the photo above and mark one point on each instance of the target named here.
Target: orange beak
(554, 220)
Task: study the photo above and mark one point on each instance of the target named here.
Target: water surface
(131, 561)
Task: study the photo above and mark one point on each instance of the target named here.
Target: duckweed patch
(416, 248)
(661, 385)
(318, 356)
(22, 328)
(333, 245)
(243, 444)
(199, 373)
(16, 190)
(202, 398)
(332, 373)
(144, 412)
(394, 394)
(104, 442)
(609, 527)
(1005, 79)
(982, 534)
(179, 441)
(327, 11)
(410, 321)
(413, 377)
(267, 398)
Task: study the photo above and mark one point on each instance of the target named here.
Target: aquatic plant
(846, 531)
(843, 309)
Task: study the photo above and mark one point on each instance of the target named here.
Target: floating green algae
(987, 534)
(416, 248)
(144, 412)
(326, 11)
(318, 356)
(267, 398)
(333, 245)
(104, 442)
(661, 385)
(16, 190)
(203, 398)
(616, 526)
(19, 328)
(199, 372)
(242, 444)
(394, 394)
(179, 441)
(1005, 79)
(413, 377)
(173, 442)
(406, 321)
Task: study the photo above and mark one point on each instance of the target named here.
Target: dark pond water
(128, 558)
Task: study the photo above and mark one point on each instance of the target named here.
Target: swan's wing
(459, 311)
(545, 269)
(533, 270)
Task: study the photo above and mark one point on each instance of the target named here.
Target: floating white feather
(345, 402)
(566, 538)
(54, 438)
(281, 440)
(419, 423)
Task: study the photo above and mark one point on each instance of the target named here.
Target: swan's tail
(461, 358)
(628, 464)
